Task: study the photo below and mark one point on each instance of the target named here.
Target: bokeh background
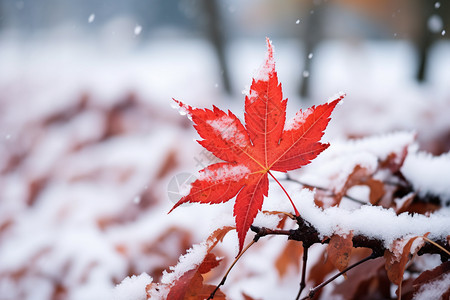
(90, 146)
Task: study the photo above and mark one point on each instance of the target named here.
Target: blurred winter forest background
(89, 144)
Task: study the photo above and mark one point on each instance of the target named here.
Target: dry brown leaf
(368, 278)
(394, 161)
(431, 275)
(361, 176)
(218, 235)
(247, 297)
(190, 285)
(209, 263)
(376, 190)
(406, 202)
(290, 256)
(339, 251)
(395, 267)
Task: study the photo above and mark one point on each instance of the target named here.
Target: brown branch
(308, 235)
(303, 280)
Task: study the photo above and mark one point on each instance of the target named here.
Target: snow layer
(372, 221)
(428, 174)
(83, 231)
(132, 288)
(332, 167)
(189, 261)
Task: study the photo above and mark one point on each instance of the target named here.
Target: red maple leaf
(249, 152)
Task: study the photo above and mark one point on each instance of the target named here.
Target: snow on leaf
(227, 128)
(337, 95)
(225, 172)
(436, 289)
(433, 283)
(190, 284)
(361, 176)
(298, 119)
(396, 260)
(249, 152)
(185, 280)
(269, 67)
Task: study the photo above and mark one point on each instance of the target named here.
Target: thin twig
(303, 280)
(263, 231)
(331, 193)
(436, 244)
(222, 282)
(313, 291)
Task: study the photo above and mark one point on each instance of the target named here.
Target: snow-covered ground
(89, 144)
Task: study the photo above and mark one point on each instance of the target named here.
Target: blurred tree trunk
(214, 29)
(427, 37)
(312, 36)
(424, 39)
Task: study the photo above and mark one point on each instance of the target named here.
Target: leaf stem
(297, 214)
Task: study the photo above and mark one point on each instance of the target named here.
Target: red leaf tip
(337, 97)
(182, 108)
(268, 68)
